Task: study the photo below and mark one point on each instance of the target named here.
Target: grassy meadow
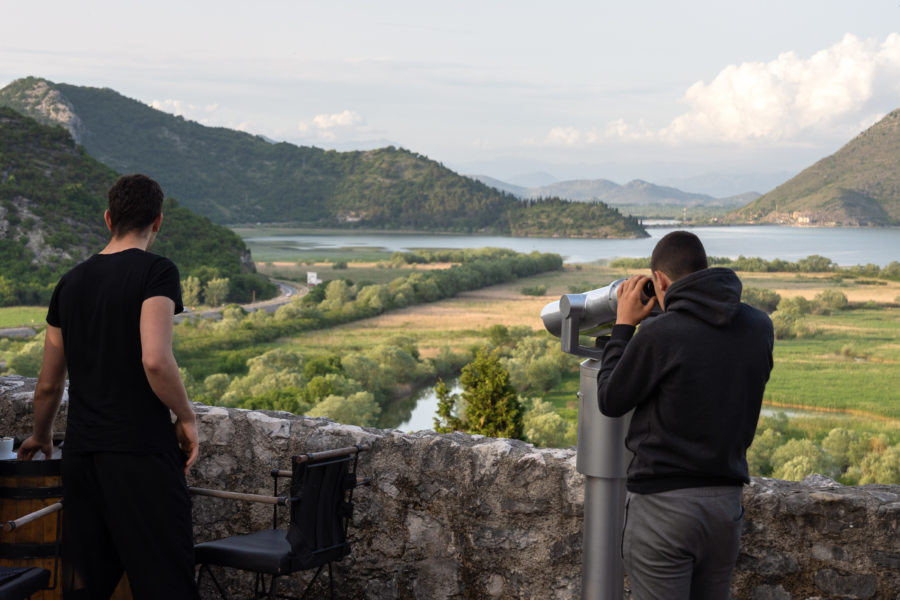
(22, 316)
(849, 363)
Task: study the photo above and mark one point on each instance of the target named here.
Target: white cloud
(201, 114)
(780, 99)
(837, 91)
(347, 118)
(324, 125)
(564, 136)
(329, 127)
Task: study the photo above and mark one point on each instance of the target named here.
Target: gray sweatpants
(682, 543)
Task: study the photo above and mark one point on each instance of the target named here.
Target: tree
(357, 409)
(545, 428)
(846, 447)
(796, 306)
(446, 421)
(829, 300)
(7, 292)
(759, 454)
(761, 298)
(491, 405)
(337, 294)
(216, 291)
(799, 458)
(881, 467)
(191, 291)
(27, 361)
(215, 386)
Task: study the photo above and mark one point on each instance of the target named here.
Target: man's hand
(630, 310)
(188, 440)
(48, 394)
(32, 445)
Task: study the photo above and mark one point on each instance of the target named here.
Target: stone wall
(460, 516)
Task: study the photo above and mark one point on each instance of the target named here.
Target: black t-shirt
(98, 307)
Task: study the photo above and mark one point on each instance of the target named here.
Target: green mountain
(235, 177)
(52, 198)
(858, 185)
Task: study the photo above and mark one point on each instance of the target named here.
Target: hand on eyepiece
(630, 309)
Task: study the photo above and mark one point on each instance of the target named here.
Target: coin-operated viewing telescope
(591, 313)
(601, 456)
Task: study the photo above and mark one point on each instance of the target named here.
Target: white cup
(6, 447)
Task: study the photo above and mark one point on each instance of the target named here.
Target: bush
(796, 306)
(761, 298)
(534, 290)
(788, 326)
(829, 300)
(545, 428)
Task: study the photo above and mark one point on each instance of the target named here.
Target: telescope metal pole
(603, 459)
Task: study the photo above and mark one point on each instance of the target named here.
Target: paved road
(17, 332)
(288, 291)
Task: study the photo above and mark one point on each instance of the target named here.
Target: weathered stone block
(847, 586)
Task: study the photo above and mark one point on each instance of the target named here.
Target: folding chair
(321, 505)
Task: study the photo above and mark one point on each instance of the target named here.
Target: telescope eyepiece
(648, 291)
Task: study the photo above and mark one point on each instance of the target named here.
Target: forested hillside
(235, 177)
(52, 198)
(857, 185)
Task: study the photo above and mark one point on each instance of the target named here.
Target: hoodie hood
(712, 295)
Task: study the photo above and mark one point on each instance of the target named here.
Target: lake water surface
(846, 246)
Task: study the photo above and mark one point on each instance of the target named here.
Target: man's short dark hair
(134, 203)
(677, 254)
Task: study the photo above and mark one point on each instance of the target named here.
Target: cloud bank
(837, 91)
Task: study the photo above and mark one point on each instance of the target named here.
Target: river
(846, 246)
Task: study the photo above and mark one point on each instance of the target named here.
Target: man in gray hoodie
(695, 377)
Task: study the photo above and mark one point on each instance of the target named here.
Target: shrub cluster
(813, 263)
(851, 457)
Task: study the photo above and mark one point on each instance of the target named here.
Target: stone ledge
(462, 516)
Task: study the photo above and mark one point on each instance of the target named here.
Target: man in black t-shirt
(110, 327)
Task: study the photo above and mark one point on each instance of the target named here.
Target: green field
(850, 363)
(22, 316)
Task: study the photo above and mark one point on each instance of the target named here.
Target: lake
(846, 246)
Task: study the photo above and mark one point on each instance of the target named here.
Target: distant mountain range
(858, 185)
(633, 193)
(234, 177)
(52, 198)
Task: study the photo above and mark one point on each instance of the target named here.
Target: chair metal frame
(301, 466)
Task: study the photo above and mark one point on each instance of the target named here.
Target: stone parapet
(462, 516)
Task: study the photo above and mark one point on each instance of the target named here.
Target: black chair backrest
(321, 506)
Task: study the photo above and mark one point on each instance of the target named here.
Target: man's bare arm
(162, 371)
(47, 396)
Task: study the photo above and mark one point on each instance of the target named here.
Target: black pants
(127, 512)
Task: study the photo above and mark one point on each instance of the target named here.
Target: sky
(708, 95)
